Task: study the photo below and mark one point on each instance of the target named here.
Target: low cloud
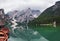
(10, 5)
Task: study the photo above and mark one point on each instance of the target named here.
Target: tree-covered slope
(49, 15)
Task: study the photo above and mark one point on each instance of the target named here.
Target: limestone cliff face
(21, 16)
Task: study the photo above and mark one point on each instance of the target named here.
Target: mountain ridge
(49, 15)
(21, 16)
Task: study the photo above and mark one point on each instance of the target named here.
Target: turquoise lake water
(19, 39)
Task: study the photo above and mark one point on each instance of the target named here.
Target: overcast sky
(10, 5)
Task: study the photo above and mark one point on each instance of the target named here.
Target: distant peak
(58, 3)
(2, 10)
(16, 11)
(29, 8)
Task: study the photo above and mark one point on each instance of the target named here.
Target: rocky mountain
(50, 14)
(27, 14)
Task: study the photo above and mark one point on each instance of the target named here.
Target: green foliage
(48, 16)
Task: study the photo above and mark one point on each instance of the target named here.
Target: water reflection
(21, 33)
